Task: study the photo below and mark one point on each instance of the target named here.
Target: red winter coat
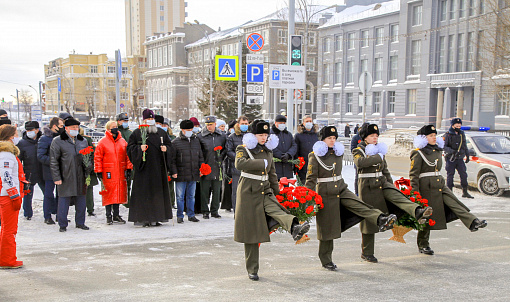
(110, 159)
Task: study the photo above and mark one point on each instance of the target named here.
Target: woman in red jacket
(113, 168)
(11, 195)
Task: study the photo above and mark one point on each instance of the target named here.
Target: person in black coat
(226, 187)
(31, 166)
(305, 138)
(356, 139)
(50, 202)
(188, 158)
(347, 131)
(286, 149)
(356, 129)
(455, 149)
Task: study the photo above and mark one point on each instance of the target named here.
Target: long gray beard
(152, 129)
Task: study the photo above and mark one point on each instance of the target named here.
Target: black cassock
(150, 195)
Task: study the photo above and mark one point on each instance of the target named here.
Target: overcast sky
(33, 32)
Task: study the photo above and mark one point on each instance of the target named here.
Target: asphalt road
(399, 166)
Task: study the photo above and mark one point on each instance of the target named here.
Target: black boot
(477, 224)
(298, 230)
(422, 214)
(426, 250)
(109, 220)
(465, 193)
(119, 219)
(385, 222)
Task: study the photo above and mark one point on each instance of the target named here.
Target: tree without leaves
(25, 100)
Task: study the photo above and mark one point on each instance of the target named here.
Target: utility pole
(290, 92)
(118, 74)
(17, 100)
(240, 81)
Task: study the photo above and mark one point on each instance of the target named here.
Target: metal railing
(404, 139)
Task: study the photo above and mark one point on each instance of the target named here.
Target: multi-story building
(424, 58)
(144, 18)
(167, 83)
(88, 85)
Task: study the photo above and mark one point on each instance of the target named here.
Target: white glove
(265, 163)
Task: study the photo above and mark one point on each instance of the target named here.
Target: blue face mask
(125, 125)
(232, 131)
(159, 126)
(165, 128)
(73, 133)
(282, 127)
(196, 129)
(243, 128)
(188, 134)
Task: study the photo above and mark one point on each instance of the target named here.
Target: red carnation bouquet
(301, 163)
(407, 220)
(205, 169)
(87, 160)
(218, 153)
(143, 132)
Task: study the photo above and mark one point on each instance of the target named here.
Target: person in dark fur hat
(306, 136)
(255, 161)
(286, 149)
(426, 178)
(375, 187)
(342, 208)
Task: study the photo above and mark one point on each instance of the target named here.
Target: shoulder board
(416, 149)
(312, 152)
(357, 148)
(244, 146)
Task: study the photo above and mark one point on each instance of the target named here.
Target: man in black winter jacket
(212, 138)
(286, 149)
(455, 149)
(50, 202)
(307, 135)
(186, 164)
(31, 166)
(235, 139)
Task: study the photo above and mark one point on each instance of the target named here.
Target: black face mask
(115, 131)
(457, 129)
(61, 130)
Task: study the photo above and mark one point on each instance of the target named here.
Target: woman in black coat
(305, 138)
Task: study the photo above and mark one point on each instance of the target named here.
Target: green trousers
(90, 199)
(467, 218)
(399, 200)
(251, 250)
(206, 186)
(326, 251)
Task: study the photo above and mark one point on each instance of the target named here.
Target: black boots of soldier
(422, 214)
(426, 251)
(385, 222)
(465, 193)
(298, 230)
(329, 266)
(477, 224)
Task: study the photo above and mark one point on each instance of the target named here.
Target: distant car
(489, 165)
(96, 134)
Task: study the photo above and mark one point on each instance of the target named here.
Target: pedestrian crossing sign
(226, 68)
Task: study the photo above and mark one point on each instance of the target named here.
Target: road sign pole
(240, 80)
(290, 92)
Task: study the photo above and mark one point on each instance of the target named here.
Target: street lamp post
(211, 105)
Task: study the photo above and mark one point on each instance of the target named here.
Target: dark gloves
(100, 176)
(285, 158)
(127, 174)
(467, 159)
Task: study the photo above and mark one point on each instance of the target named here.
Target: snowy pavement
(200, 261)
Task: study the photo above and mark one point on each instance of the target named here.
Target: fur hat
(368, 129)
(426, 130)
(159, 119)
(147, 113)
(280, 118)
(259, 127)
(31, 125)
(5, 122)
(186, 124)
(327, 132)
(71, 122)
(231, 124)
(2, 112)
(64, 115)
(456, 120)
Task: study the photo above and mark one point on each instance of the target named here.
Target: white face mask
(31, 134)
(73, 133)
(188, 134)
(150, 122)
(308, 126)
(196, 129)
(15, 140)
(282, 127)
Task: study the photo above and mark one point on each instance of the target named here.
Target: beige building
(144, 18)
(88, 85)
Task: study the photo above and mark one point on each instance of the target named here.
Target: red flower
(169, 178)
(219, 148)
(205, 169)
(143, 126)
(279, 198)
(309, 210)
(103, 192)
(423, 200)
(432, 222)
(412, 199)
(86, 151)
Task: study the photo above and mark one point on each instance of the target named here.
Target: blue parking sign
(276, 75)
(255, 73)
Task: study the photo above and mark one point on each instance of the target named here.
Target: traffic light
(296, 52)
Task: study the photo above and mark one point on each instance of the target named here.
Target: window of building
(224, 50)
(338, 73)
(350, 41)
(392, 96)
(338, 103)
(123, 83)
(394, 32)
(150, 58)
(379, 35)
(393, 67)
(411, 101)
(154, 57)
(311, 38)
(282, 36)
(417, 15)
(364, 38)
(443, 9)
(325, 74)
(453, 9)
(378, 69)
(162, 18)
(160, 56)
(165, 55)
(376, 102)
(442, 54)
(479, 49)
(462, 8)
(111, 69)
(471, 52)
(93, 69)
(170, 57)
(206, 54)
(471, 7)
(111, 83)
(482, 7)
(325, 45)
(451, 51)
(350, 72)
(504, 102)
(310, 63)
(363, 65)
(415, 57)
(460, 53)
(124, 96)
(161, 8)
(124, 70)
(324, 103)
(349, 102)
(338, 43)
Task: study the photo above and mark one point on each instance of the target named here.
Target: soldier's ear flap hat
(259, 127)
(368, 129)
(456, 120)
(327, 132)
(426, 130)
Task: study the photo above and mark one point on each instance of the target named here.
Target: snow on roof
(163, 36)
(315, 12)
(219, 35)
(360, 12)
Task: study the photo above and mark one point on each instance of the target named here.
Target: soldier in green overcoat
(426, 178)
(257, 205)
(375, 187)
(342, 208)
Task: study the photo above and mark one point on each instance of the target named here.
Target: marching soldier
(256, 192)
(342, 208)
(426, 164)
(376, 187)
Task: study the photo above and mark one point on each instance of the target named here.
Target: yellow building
(88, 85)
